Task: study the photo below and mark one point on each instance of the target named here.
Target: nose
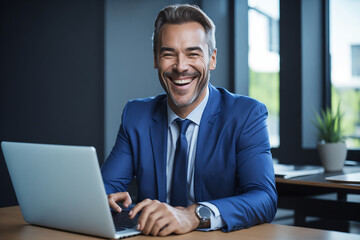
(181, 65)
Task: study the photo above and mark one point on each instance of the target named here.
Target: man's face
(184, 64)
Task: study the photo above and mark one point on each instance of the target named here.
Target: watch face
(204, 212)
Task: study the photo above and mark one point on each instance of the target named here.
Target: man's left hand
(161, 219)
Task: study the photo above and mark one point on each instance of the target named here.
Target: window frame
(291, 150)
(292, 114)
(352, 154)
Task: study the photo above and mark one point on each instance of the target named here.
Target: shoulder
(145, 105)
(140, 112)
(233, 103)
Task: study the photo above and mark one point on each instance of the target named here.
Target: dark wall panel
(52, 76)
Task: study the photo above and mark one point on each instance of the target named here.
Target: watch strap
(204, 222)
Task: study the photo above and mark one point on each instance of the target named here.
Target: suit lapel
(158, 135)
(207, 123)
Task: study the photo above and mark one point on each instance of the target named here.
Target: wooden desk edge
(12, 226)
(326, 184)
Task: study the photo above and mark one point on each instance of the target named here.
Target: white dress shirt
(191, 136)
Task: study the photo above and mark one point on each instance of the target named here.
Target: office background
(69, 67)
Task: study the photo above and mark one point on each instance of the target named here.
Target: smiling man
(183, 63)
(201, 155)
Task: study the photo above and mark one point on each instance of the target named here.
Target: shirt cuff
(216, 221)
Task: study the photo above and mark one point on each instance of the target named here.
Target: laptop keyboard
(122, 220)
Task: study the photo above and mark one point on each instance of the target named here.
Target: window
(345, 65)
(299, 33)
(264, 60)
(355, 61)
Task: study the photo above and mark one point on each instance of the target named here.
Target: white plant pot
(332, 156)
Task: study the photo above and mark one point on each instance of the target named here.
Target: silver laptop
(61, 187)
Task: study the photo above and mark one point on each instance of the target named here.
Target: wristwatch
(203, 213)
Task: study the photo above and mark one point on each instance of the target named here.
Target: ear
(155, 64)
(212, 64)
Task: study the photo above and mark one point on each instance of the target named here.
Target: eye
(167, 55)
(193, 54)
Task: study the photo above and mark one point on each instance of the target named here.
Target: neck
(184, 111)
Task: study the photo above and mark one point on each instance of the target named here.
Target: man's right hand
(120, 197)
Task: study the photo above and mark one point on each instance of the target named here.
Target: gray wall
(69, 67)
(129, 61)
(218, 11)
(312, 68)
(51, 82)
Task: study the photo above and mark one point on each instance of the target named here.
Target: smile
(182, 81)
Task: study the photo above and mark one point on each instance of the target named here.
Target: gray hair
(184, 13)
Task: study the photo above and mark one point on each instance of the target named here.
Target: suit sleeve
(255, 201)
(118, 170)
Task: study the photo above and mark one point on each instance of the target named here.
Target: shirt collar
(195, 115)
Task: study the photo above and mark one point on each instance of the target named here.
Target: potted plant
(332, 148)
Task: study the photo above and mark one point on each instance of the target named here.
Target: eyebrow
(164, 49)
(189, 49)
(197, 48)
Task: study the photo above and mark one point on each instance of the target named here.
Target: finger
(149, 209)
(155, 214)
(114, 198)
(113, 204)
(126, 200)
(159, 225)
(138, 207)
(169, 229)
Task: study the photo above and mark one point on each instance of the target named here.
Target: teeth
(182, 81)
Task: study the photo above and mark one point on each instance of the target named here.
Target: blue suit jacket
(233, 163)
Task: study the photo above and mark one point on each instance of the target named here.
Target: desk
(12, 226)
(302, 195)
(318, 180)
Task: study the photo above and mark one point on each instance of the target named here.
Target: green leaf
(329, 125)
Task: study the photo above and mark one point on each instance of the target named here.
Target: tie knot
(183, 125)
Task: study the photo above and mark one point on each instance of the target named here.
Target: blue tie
(179, 193)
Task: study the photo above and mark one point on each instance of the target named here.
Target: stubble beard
(194, 97)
